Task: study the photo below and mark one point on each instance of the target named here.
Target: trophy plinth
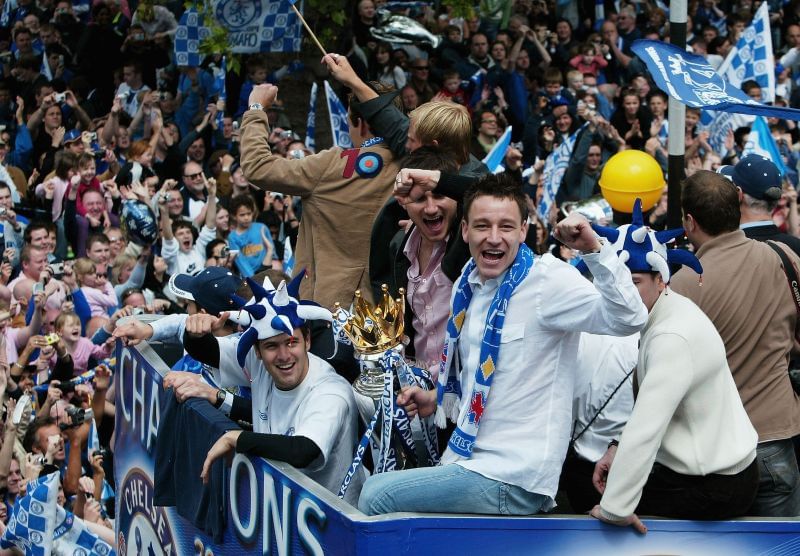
(373, 331)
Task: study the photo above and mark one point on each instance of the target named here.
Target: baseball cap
(756, 175)
(210, 288)
(72, 135)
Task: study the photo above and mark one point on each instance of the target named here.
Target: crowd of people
(100, 127)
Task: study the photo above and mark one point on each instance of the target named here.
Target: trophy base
(369, 385)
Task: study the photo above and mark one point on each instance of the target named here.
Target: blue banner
(188, 36)
(340, 128)
(260, 25)
(275, 509)
(752, 58)
(760, 141)
(554, 169)
(311, 120)
(494, 159)
(690, 79)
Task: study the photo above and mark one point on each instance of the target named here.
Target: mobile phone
(38, 287)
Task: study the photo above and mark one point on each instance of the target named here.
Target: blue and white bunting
(760, 141)
(311, 120)
(752, 57)
(340, 129)
(32, 520)
(494, 159)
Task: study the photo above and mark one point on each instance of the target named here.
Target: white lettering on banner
(280, 520)
(275, 519)
(310, 542)
(143, 394)
(246, 533)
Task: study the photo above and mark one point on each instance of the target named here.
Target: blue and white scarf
(448, 391)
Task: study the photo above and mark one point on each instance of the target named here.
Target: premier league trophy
(376, 333)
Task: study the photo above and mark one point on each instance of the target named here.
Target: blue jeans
(445, 489)
(779, 480)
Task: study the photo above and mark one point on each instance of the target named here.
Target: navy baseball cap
(757, 176)
(72, 135)
(210, 288)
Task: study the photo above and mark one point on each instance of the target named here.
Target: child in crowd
(82, 350)
(183, 248)
(95, 287)
(251, 239)
(87, 174)
(452, 88)
(589, 60)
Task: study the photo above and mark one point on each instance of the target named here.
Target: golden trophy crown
(374, 330)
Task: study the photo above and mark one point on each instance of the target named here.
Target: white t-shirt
(322, 408)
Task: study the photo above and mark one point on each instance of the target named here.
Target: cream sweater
(688, 414)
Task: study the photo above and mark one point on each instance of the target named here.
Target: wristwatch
(256, 106)
(220, 398)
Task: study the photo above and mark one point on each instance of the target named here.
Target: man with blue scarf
(513, 332)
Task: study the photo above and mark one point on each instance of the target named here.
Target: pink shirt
(100, 300)
(85, 349)
(429, 297)
(59, 191)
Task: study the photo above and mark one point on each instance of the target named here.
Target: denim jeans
(445, 489)
(779, 480)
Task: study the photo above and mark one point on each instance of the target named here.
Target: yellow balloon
(628, 175)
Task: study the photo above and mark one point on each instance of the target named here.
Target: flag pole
(310, 32)
(677, 123)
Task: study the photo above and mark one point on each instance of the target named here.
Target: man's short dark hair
(37, 225)
(501, 186)
(31, 439)
(430, 158)
(97, 238)
(180, 223)
(713, 202)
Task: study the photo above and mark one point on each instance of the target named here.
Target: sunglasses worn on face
(194, 176)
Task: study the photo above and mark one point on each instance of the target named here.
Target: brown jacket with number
(342, 192)
(746, 295)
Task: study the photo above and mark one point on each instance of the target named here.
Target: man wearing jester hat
(688, 417)
(508, 373)
(303, 412)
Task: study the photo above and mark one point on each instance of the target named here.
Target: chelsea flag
(691, 80)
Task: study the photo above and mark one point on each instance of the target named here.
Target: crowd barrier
(274, 509)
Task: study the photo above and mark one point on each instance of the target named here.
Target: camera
(235, 125)
(138, 311)
(138, 36)
(102, 452)
(60, 98)
(76, 416)
(163, 95)
(225, 252)
(58, 270)
(297, 154)
(285, 134)
(122, 96)
(52, 338)
(164, 197)
(3, 211)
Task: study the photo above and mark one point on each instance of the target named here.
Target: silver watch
(256, 106)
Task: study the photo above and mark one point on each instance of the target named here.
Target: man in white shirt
(527, 314)
(303, 413)
(185, 253)
(688, 417)
(129, 90)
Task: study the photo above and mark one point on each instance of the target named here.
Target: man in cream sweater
(688, 450)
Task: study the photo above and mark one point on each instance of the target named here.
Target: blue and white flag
(5, 16)
(219, 73)
(760, 141)
(691, 80)
(311, 120)
(554, 168)
(338, 115)
(188, 36)
(752, 57)
(32, 522)
(494, 159)
(260, 25)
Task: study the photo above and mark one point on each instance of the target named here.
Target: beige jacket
(746, 295)
(342, 192)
